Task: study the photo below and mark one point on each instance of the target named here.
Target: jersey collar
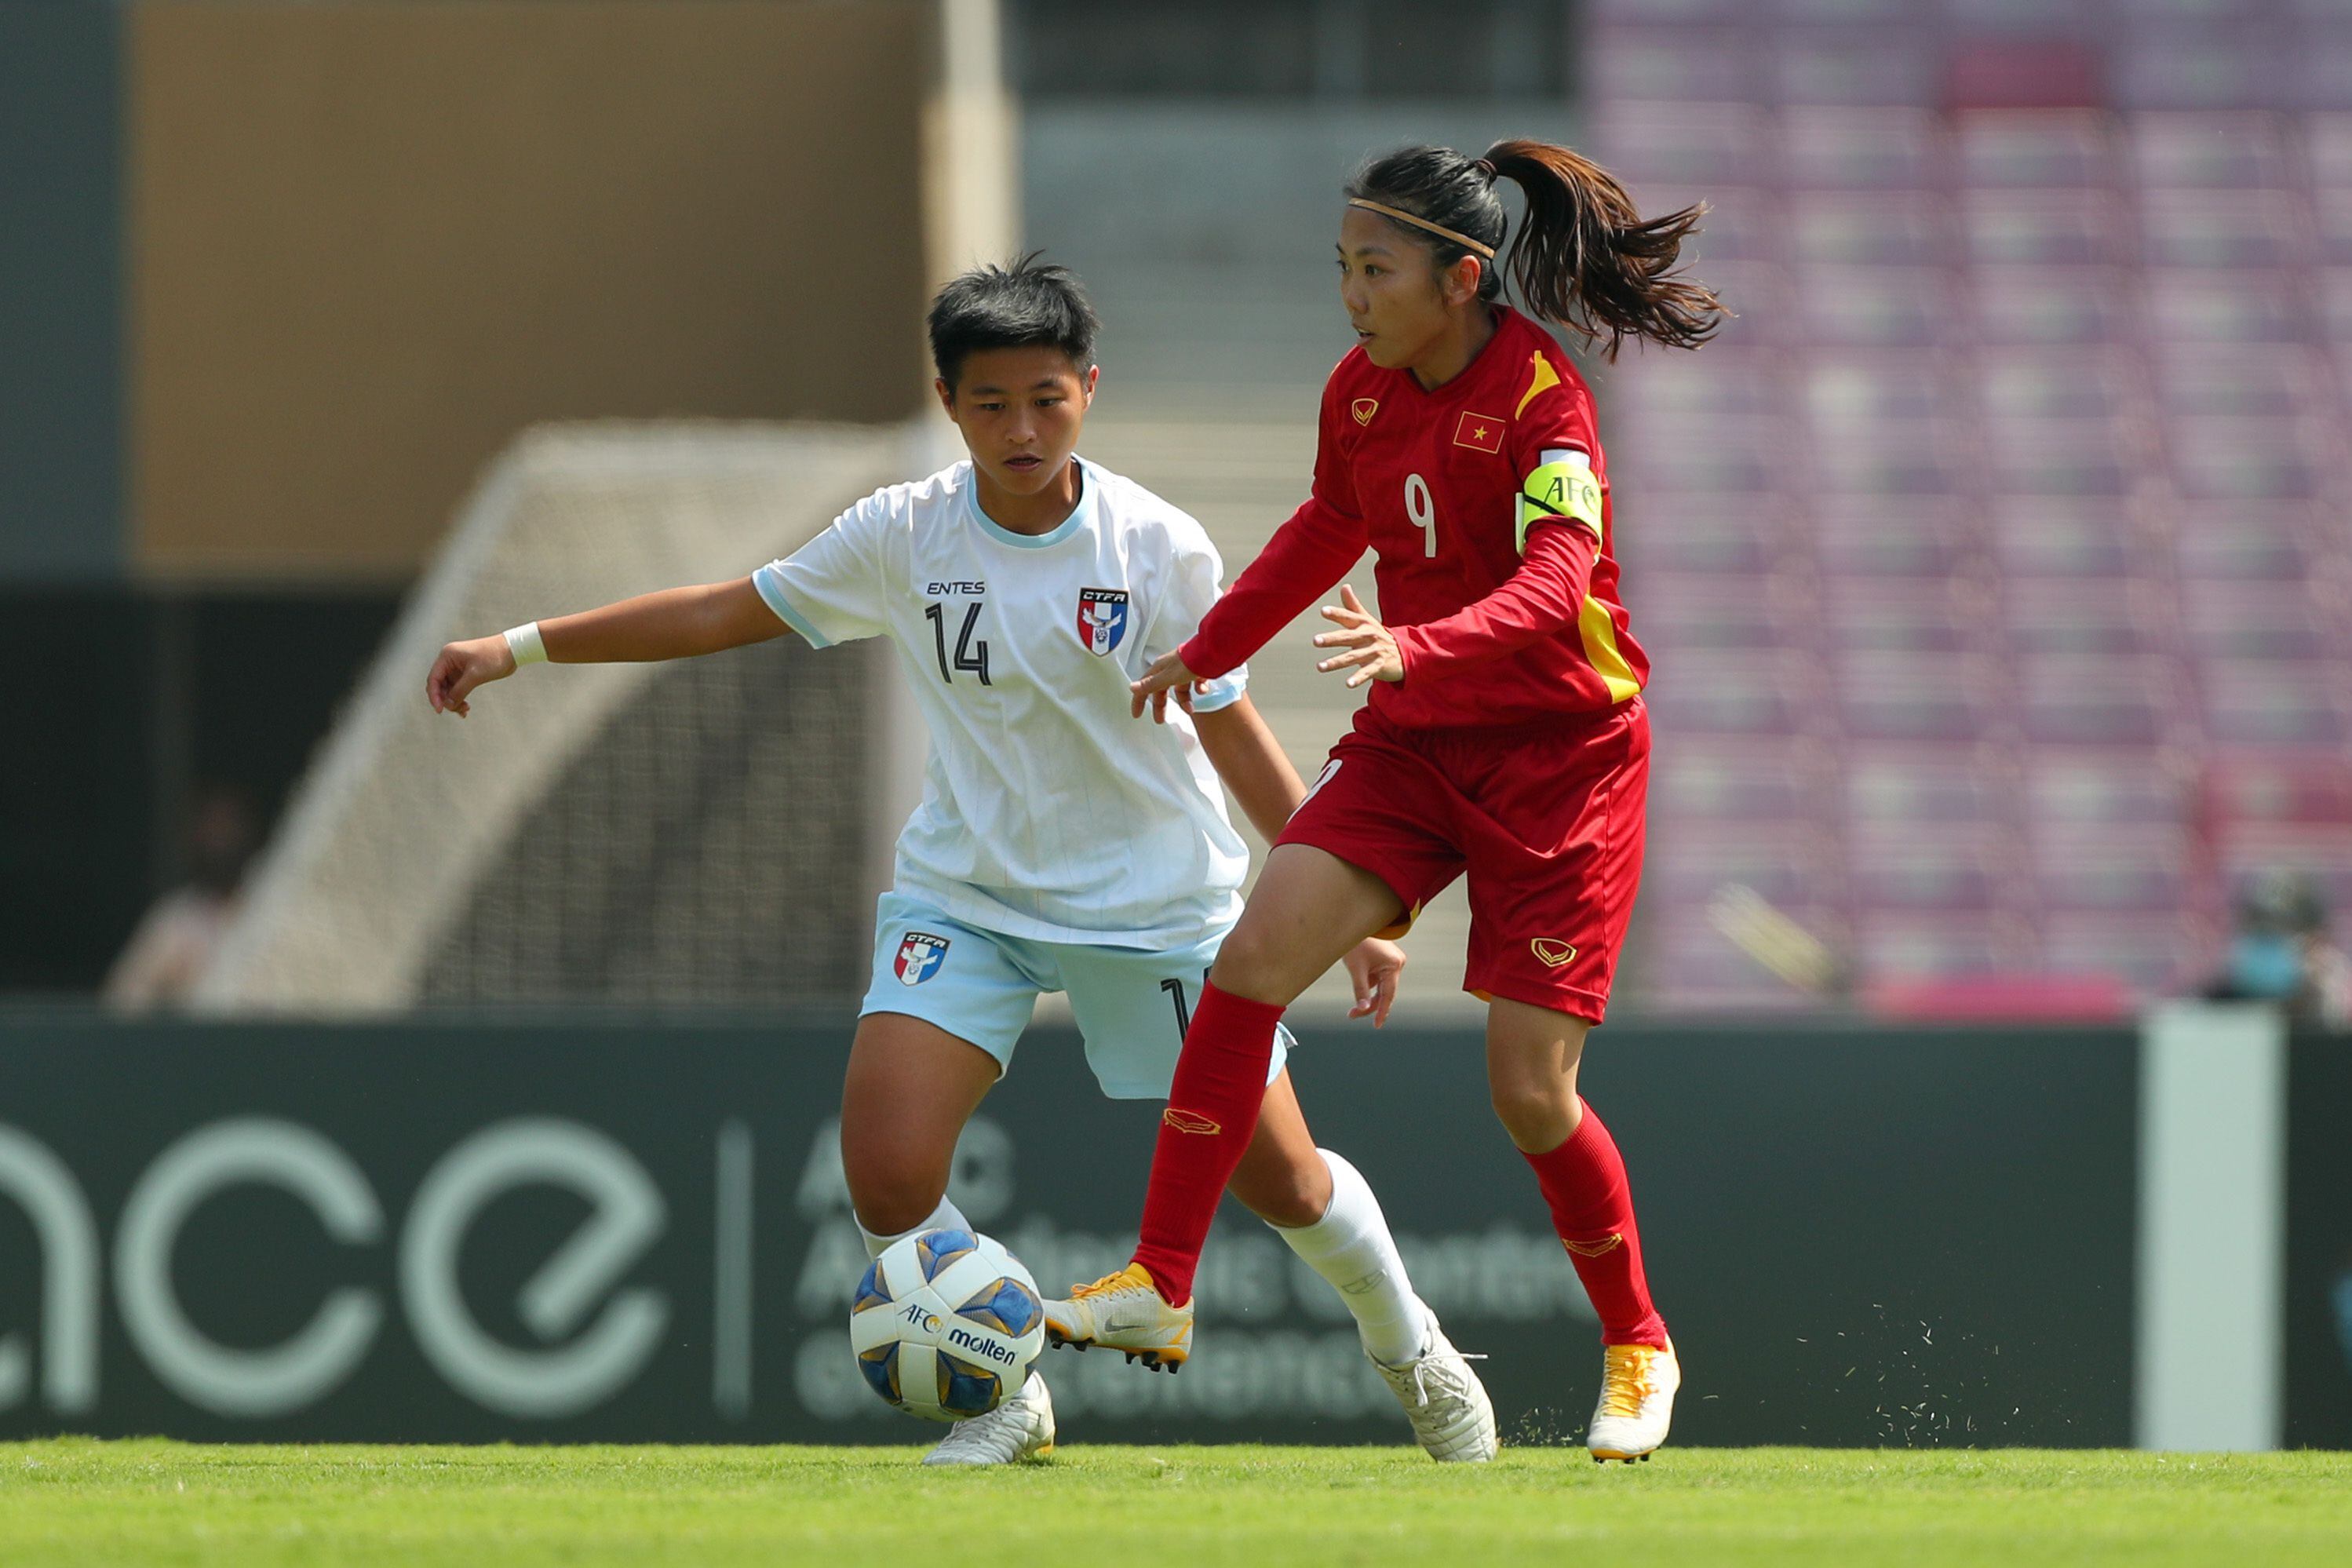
(1081, 515)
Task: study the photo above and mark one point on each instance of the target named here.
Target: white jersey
(1048, 812)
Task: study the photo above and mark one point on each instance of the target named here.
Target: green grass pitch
(82, 1502)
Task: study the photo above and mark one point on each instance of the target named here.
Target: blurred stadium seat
(2052, 576)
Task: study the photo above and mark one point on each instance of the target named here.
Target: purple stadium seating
(2069, 788)
(2217, 153)
(1997, 559)
(2083, 700)
(1870, 149)
(2047, 229)
(1792, 865)
(2116, 617)
(1948, 867)
(2018, 307)
(2270, 383)
(2189, 305)
(1876, 307)
(2263, 621)
(2262, 544)
(1906, 537)
(1683, 614)
(2035, 148)
(1880, 228)
(2038, 536)
(1767, 780)
(1921, 697)
(2327, 149)
(1896, 783)
(2225, 229)
(1928, 615)
(2060, 383)
(1854, 394)
(1747, 692)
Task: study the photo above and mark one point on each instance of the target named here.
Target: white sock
(947, 1213)
(1351, 1247)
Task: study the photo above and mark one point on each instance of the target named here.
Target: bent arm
(1298, 565)
(1246, 755)
(675, 622)
(1542, 598)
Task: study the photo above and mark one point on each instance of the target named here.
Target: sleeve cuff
(770, 584)
(1215, 696)
(1202, 660)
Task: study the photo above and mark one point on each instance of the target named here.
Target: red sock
(1211, 1114)
(1584, 1183)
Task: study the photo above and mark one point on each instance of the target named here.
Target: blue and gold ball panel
(1005, 1304)
(870, 1292)
(935, 1250)
(966, 1390)
(880, 1366)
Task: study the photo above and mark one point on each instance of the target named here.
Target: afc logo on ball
(920, 957)
(1102, 618)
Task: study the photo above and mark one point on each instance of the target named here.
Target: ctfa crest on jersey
(1363, 408)
(1102, 618)
(920, 957)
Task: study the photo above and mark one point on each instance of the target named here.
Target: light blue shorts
(1132, 1005)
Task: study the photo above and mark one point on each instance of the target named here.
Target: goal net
(706, 831)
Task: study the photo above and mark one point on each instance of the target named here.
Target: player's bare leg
(1308, 909)
(910, 1088)
(1532, 1056)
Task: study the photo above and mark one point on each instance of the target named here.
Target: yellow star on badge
(1479, 434)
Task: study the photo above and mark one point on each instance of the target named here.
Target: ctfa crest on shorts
(920, 957)
(1102, 618)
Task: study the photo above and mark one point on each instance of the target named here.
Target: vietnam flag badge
(1483, 432)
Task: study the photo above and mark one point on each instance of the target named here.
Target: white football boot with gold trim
(1123, 1312)
(1020, 1428)
(1637, 1401)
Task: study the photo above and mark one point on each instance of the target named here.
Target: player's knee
(1290, 1200)
(1251, 966)
(1533, 1110)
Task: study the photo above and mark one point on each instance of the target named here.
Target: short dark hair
(1030, 304)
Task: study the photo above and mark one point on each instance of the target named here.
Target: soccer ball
(946, 1324)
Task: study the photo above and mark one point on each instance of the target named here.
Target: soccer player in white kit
(1059, 846)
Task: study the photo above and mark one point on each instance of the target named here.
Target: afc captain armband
(1563, 487)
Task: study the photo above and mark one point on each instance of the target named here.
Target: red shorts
(1547, 823)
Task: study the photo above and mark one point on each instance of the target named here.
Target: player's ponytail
(1585, 257)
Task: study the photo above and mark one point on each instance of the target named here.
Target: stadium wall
(575, 1228)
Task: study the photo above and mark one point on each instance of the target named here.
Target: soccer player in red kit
(1505, 736)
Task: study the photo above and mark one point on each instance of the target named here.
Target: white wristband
(523, 642)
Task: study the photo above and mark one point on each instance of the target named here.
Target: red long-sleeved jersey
(1493, 562)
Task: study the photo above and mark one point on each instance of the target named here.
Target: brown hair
(1585, 257)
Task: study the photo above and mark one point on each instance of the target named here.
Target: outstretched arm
(675, 622)
(1247, 756)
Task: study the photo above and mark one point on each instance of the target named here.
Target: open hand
(1371, 650)
(462, 668)
(1165, 676)
(1375, 966)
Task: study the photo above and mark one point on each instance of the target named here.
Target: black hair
(1585, 257)
(1029, 304)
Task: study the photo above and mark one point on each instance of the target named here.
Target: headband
(1437, 229)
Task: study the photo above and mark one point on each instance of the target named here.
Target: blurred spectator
(2281, 951)
(175, 942)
